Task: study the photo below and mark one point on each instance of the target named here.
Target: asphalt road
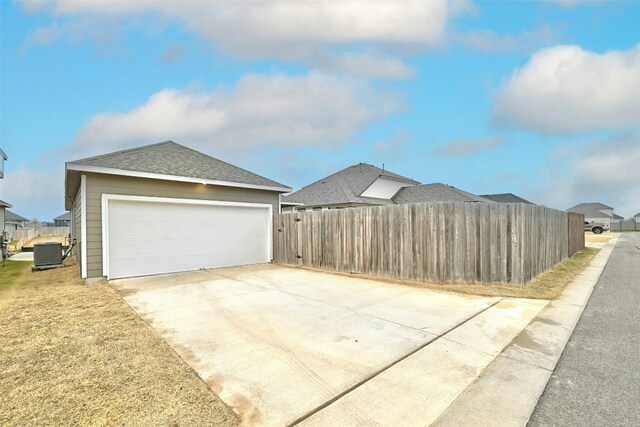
(597, 379)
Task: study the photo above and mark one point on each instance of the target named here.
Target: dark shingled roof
(434, 193)
(505, 198)
(64, 216)
(584, 207)
(11, 216)
(169, 158)
(344, 186)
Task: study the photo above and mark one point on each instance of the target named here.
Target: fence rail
(441, 242)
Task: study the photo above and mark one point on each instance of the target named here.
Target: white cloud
(463, 147)
(34, 193)
(491, 41)
(259, 112)
(571, 3)
(290, 30)
(565, 89)
(600, 171)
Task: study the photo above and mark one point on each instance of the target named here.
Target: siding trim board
(137, 174)
(83, 226)
(106, 198)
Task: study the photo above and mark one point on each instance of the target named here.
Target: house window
(301, 209)
(317, 208)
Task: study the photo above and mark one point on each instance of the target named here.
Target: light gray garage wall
(98, 184)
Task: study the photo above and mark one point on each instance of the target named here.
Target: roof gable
(345, 186)
(171, 159)
(4, 204)
(436, 192)
(588, 206)
(64, 217)
(506, 198)
(593, 213)
(12, 216)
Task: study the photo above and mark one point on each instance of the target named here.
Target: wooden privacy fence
(23, 235)
(576, 232)
(441, 242)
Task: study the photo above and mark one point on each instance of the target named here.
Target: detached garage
(166, 208)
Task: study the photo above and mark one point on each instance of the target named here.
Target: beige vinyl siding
(76, 227)
(98, 184)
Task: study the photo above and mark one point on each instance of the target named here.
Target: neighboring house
(506, 198)
(164, 208)
(366, 185)
(594, 212)
(63, 220)
(616, 220)
(13, 221)
(3, 207)
(3, 157)
(435, 193)
(357, 185)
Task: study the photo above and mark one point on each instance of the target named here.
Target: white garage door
(153, 237)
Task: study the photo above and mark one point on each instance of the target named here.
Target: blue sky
(541, 99)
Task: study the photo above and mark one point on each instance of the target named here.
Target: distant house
(505, 198)
(366, 185)
(594, 212)
(13, 221)
(617, 218)
(435, 193)
(63, 220)
(357, 185)
(3, 207)
(3, 157)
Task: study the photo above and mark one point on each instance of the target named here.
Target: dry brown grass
(75, 354)
(45, 239)
(597, 238)
(548, 285)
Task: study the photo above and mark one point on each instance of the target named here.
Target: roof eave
(149, 175)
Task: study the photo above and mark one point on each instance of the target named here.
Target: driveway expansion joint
(387, 367)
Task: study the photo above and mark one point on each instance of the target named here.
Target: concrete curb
(507, 391)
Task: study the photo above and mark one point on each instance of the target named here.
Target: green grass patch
(10, 271)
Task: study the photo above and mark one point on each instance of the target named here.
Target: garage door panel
(154, 237)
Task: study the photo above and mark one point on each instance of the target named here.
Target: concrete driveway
(283, 345)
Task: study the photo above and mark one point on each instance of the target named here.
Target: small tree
(34, 223)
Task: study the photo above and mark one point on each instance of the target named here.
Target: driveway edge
(507, 391)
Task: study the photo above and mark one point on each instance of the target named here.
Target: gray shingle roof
(64, 216)
(169, 158)
(11, 216)
(344, 186)
(582, 207)
(435, 193)
(505, 198)
(5, 204)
